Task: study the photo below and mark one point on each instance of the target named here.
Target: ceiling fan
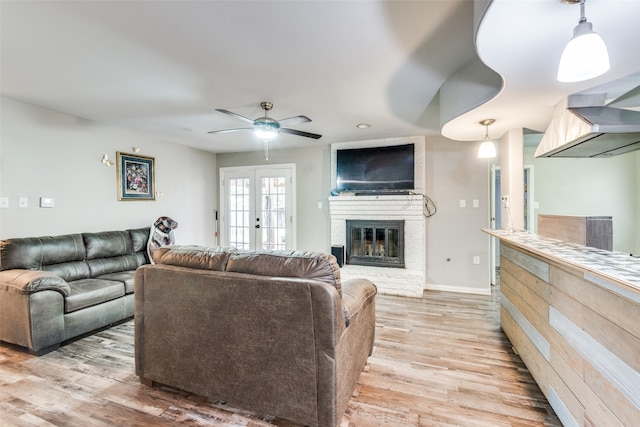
(267, 128)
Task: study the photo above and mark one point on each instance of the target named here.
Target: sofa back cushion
(101, 266)
(61, 255)
(192, 256)
(300, 264)
(107, 244)
(139, 239)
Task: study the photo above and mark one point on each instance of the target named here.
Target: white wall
(599, 186)
(454, 173)
(636, 215)
(47, 153)
(512, 179)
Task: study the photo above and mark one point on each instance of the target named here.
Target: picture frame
(136, 177)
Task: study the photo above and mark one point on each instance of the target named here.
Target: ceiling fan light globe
(585, 56)
(266, 128)
(266, 132)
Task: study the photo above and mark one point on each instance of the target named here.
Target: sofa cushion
(100, 266)
(139, 239)
(89, 292)
(191, 256)
(107, 244)
(69, 271)
(301, 264)
(125, 277)
(32, 253)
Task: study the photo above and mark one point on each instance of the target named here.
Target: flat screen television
(375, 169)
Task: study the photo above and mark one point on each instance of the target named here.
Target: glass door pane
(274, 213)
(239, 201)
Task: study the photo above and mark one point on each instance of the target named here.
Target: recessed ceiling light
(363, 125)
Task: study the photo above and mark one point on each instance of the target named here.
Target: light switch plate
(4, 202)
(23, 202)
(47, 202)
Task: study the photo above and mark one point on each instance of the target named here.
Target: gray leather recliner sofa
(275, 333)
(55, 288)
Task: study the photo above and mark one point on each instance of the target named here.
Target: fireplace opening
(375, 243)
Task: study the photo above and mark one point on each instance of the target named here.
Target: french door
(257, 205)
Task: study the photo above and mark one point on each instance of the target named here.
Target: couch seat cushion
(125, 277)
(89, 292)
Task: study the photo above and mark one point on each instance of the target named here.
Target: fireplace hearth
(375, 243)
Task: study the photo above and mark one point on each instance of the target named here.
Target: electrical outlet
(476, 203)
(476, 260)
(463, 203)
(505, 201)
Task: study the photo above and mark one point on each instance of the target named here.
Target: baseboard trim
(458, 289)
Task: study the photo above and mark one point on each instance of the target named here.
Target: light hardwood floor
(438, 361)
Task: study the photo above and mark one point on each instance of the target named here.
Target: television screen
(375, 169)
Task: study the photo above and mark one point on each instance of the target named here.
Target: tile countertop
(614, 265)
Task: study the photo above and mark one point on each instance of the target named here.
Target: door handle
(257, 225)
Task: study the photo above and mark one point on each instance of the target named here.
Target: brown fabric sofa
(275, 333)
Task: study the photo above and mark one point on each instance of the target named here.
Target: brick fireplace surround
(408, 281)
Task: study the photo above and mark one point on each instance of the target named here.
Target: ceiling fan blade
(236, 115)
(300, 133)
(229, 130)
(294, 120)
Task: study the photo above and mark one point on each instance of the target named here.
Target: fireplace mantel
(407, 281)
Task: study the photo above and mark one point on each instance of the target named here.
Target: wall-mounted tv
(375, 169)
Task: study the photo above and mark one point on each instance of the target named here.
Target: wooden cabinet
(593, 231)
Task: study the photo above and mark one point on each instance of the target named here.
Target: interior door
(258, 207)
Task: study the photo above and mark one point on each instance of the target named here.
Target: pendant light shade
(487, 148)
(585, 56)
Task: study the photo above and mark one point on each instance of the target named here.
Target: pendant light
(487, 148)
(585, 56)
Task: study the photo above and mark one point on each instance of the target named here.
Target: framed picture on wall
(136, 177)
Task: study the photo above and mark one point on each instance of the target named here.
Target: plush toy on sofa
(161, 235)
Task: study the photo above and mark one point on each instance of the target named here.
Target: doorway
(257, 205)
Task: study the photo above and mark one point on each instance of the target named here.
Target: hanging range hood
(582, 126)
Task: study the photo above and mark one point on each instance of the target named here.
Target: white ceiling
(162, 67)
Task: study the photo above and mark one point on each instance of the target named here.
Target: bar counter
(572, 313)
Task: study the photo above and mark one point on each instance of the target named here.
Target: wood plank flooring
(438, 361)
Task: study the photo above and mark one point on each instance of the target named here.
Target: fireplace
(401, 246)
(375, 243)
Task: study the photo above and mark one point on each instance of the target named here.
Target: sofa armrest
(30, 281)
(356, 294)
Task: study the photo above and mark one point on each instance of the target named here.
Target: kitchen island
(572, 313)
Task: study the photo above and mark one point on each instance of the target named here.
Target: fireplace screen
(375, 243)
